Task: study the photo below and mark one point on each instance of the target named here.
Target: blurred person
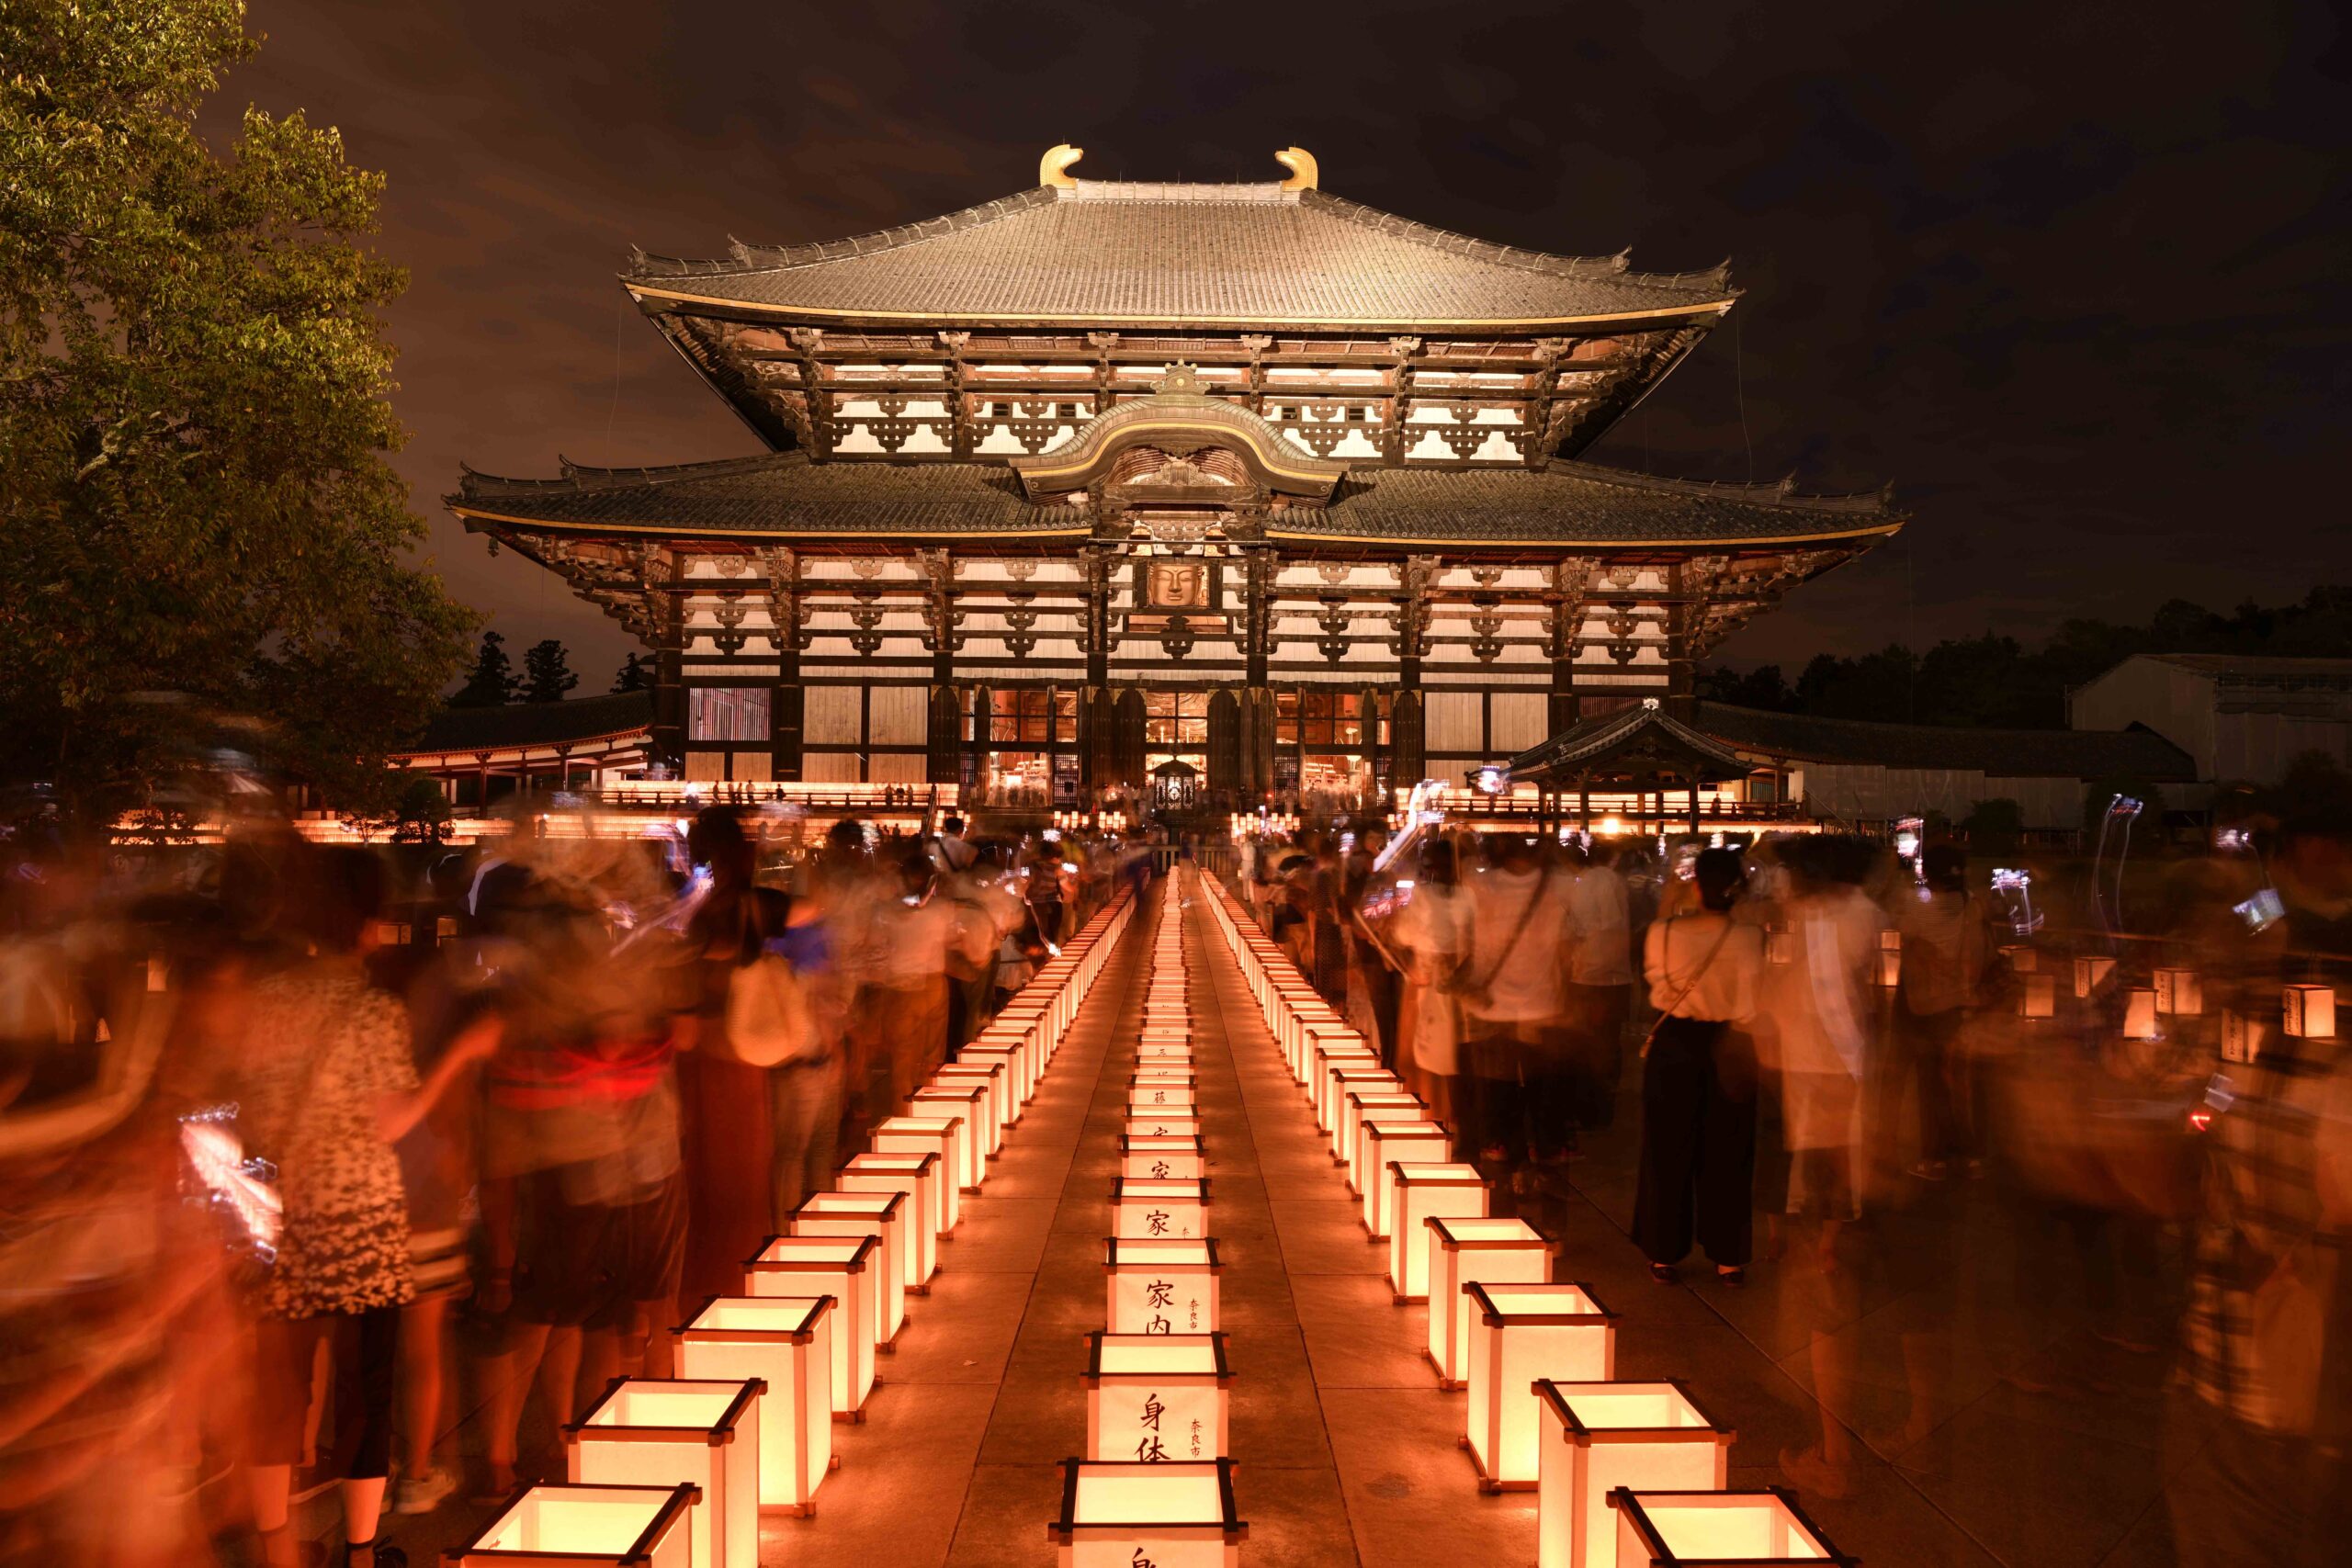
(1431, 934)
(1511, 988)
(328, 1087)
(1698, 1151)
(1600, 983)
(1947, 954)
(909, 990)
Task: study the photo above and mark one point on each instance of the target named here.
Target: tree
(421, 812)
(1762, 687)
(200, 519)
(1994, 826)
(636, 675)
(547, 673)
(493, 680)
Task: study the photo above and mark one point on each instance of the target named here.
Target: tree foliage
(492, 682)
(547, 673)
(635, 674)
(202, 522)
(1993, 681)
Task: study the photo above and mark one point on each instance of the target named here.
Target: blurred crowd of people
(305, 1149)
(1864, 1048)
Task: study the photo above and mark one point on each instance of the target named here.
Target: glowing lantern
(2140, 1014)
(1156, 1397)
(788, 1345)
(847, 1268)
(1353, 1101)
(1166, 1515)
(1153, 1206)
(941, 1136)
(1890, 967)
(1183, 1077)
(2177, 992)
(1716, 1530)
(1780, 947)
(1314, 1035)
(1520, 1332)
(917, 1176)
(1161, 1287)
(2309, 1012)
(1162, 1158)
(1387, 1138)
(1151, 1098)
(2039, 996)
(990, 1076)
(1165, 1054)
(2022, 960)
(2090, 973)
(1183, 1125)
(1416, 1192)
(968, 1108)
(581, 1527)
(1599, 1437)
(2241, 1037)
(881, 1215)
(1463, 1251)
(1341, 1077)
(662, 1433)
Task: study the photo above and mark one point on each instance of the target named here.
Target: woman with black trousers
(1698, 1171)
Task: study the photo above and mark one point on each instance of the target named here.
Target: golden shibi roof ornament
(1053, 169)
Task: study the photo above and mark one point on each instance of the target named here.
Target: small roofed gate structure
(1642, 752)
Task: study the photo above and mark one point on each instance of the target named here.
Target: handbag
(769, 1021)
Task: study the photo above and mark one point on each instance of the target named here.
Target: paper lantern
(1465, 1250)
(2021, 960)
(2309, 1012)
(1151, 1098)
(1599, 1437)
(2090, 973)
(1354, 1103)
(787, 1344)
(1161, 1287)
(983, 1054)
(2177, 992)
(1889, 968)
(2241, 1037)
(1397, 1134)
(1342, 1077)
(2038, 996)
(917, 1176)
(2140, 1014)
(968, 1108)
(1156, 1398)
(941, 1136)
(990, 1076)
(665, 1433)
(1184, 1077)
(1162, 1158)
(1149, 1206)
(1415, 1193)
(1184, 1126)
(1714, 1530)
(847, 1268)
(881, 1215)
(1314, 1035)
(1780, 947)
(1131, 1514)
(1164, 1052)
(1520, 1332)
(582, 1527)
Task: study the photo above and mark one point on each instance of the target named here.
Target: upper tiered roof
(1122, 254)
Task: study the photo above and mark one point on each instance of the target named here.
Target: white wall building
(2239, 718)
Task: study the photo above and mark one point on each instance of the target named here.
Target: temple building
(1104, 484)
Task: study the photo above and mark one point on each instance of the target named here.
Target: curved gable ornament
(1179, 419)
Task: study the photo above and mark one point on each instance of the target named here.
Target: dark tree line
(1994, 681)
(547, 675)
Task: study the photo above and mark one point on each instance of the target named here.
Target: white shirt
(1722, 988)
(1521, 972)
(1603, 951)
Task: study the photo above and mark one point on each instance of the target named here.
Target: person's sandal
(1664, 1274)
(1731, 1275)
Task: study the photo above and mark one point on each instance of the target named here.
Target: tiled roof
(1653, 731)
(534, 724)
(789, 496)
(2004, 753)
(1111, 253)
(2259, 667)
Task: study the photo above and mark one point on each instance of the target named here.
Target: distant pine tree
(636, 675)
(547, 673)
(492, 682)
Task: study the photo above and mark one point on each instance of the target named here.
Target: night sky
(2073, 276)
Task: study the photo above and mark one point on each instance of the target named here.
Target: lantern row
(1155, 1485)
(673, 1473)
(1635, 1473)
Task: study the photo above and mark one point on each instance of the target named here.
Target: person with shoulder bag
(1698, 1160)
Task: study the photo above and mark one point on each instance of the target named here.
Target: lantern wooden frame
(1466, 1249)
(787, 1344)
(992, 1075)
(1356, 1104)
(917, 1176)
(680, 1432)
(1415, 1193)
(968, 1107)
(1162, 1127)
(1517, 1334)
(1387, 1138)
(1658, 1529)
(881, 1215)
(942, 1135)
(1601, 1437)
(2307, 1011)
(1175, 1515)
(646, 1526)
(1121, 1369)
(843, 1268)
(1130, 1266)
